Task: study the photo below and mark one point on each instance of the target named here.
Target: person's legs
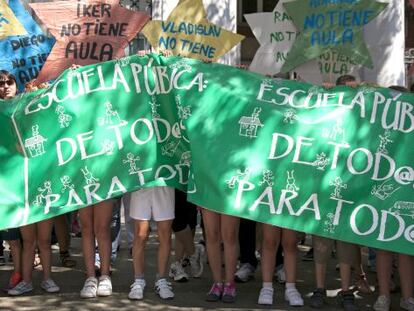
(86, 215)
(321, 253)
(212, 231)
(102, 219)
(247, 245)
(361, 281)
(384, 268)
(184, 240)
(270, 243)
(29, 244)
(229, 234)
(44, 230)
(13, 236)
(184, 243)
(247, 242)
(406, 269)
(63, 237)
(271, 240)
(322, 249)
(164, 248)
(289, 244)
(347, 255)
(141, 232)
(17, 285)
(129, 222)
(62, 233)
(115, 225)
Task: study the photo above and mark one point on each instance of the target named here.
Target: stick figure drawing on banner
(111, 116)
(338, 185)
(238, 177)
(384, 141)
(291, 182)
(132, 161)
(89, 179)
(47, 189)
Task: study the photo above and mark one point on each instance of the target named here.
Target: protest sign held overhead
(276, 34)
(187, 32)
(24, 56)
(331, 25)
(335, 163)
(86, 32)
(9, 24)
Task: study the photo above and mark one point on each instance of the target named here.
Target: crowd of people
(100, 231)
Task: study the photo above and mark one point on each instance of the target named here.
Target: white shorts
(156, 203)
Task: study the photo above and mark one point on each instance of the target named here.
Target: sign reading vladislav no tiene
(24, 55)
(332, 162)
(87, 31)
(187, 32)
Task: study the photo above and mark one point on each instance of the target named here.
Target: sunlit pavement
(188, 296)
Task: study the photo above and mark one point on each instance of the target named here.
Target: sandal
(67, 262)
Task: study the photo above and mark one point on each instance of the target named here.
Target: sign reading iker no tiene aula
(332, 162)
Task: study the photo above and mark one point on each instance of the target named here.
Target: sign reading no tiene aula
(337, 163)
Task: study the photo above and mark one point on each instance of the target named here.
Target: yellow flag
(9, 24)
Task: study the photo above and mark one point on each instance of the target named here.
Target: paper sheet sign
(187, 32)
(9, 24)
(86, 32)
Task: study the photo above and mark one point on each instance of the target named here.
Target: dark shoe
(67, 262)
(215, 292)
(347, 301)
(317, 300)
(308, 256)
(229, 293)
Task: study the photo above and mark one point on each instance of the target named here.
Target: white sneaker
(196, 261)
(382, 303)
(50, 286)
(293, 297)
(407, 304)
(89, 288)
(164, 289)
(266, 296)
(177, 272)
(104, 286)
(21, 288)
(280, 274)
(245, 273)
(137, 290)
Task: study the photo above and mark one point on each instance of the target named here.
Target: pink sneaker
(215, 292)
(229, 293)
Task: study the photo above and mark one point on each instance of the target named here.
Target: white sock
(267, 285)
(290, 285)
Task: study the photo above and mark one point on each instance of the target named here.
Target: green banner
(332, 162)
